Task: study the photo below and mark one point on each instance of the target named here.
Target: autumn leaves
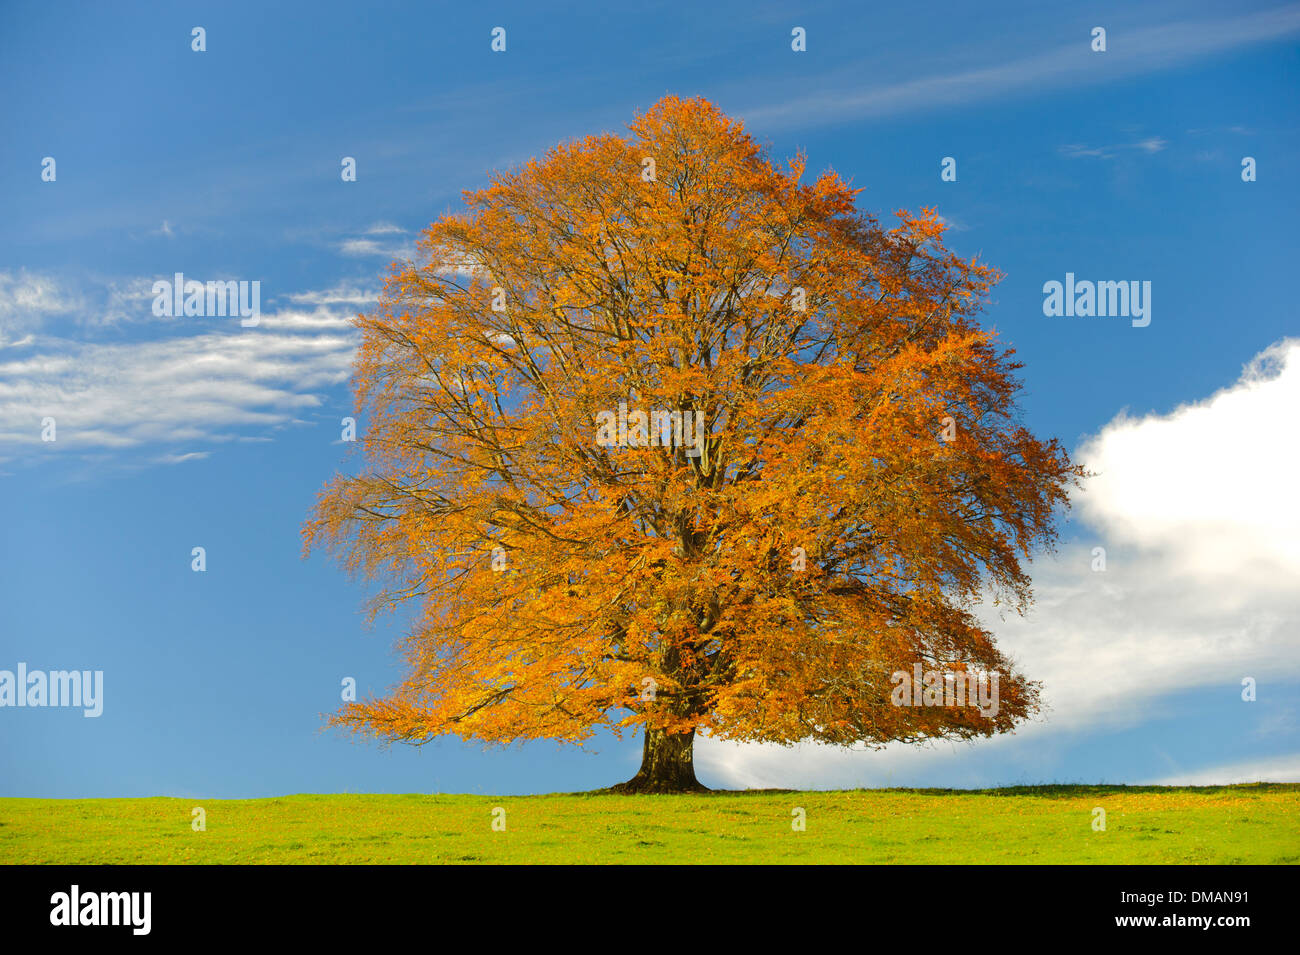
(814, 424)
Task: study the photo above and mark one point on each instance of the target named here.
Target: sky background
(225, 164)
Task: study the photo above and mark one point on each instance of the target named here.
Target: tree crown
(829, 471)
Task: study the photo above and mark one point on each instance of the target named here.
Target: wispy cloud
(181, 458)
(1080, 151)
(340, 294)
(202, 388)
(191, 385)
(839, 97)
(28, 299)
(319, 319)
(1150, 146)
(366, 246)
(128, 301)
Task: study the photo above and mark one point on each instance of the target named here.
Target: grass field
(1257, 823)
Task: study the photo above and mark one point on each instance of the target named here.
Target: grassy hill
(1257, 823)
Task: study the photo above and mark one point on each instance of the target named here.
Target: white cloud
(25, 293)
(1196, 510)
(360, 247)
(373, 247)
(27, 300)
(1212, 485)
(319, 319)
(365, 244)
(1278, 769)
(128, 301)
(209, 385)
(30, 301)
(338, 295)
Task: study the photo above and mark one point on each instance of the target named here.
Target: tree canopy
(849, 477)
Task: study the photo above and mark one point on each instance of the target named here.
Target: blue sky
(225, 164)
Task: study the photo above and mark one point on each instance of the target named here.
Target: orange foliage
(823, 418)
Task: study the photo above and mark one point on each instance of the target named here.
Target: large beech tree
(861, 478)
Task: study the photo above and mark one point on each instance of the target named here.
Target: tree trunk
(667, 765)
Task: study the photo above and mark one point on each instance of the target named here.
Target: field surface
(1257, 823)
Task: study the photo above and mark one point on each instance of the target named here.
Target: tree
(661, 436)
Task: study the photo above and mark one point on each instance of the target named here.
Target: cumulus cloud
(1196, 512)
(1213, 483)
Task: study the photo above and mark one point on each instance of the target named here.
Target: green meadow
(1258, 823)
